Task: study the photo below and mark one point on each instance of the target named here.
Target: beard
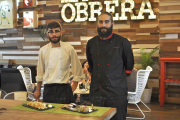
(54, 41)
(104, 34)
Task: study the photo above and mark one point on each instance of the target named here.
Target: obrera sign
(110, 7)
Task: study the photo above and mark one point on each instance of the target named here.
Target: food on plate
(72, 105)
(92, 107)
(68, 106)
(49, 106)
(39, 105)
(83, 108)
(74, 109)
(79, 108)
(64, 106)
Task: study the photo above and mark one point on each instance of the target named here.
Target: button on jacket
(109, 61)
(54, 64)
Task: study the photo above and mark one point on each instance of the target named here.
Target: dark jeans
(58, 93)
(117, 102)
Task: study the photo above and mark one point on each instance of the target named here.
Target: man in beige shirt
(54, 67)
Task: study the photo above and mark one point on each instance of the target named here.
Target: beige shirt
(54, 64)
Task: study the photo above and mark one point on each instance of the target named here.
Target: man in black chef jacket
(110, 61)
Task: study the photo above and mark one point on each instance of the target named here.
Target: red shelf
(172, 80)
(164, 79)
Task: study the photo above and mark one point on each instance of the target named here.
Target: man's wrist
(39, 90)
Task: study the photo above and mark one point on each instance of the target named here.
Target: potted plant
(146, 60)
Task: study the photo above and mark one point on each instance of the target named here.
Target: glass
(87, 86)
(56, 32)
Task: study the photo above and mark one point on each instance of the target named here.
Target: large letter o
(63, 12)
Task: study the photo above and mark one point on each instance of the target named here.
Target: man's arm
(76, 69)
(74, 86)
(128, 57)
(37, 93)
(89, 58)
(39, 77)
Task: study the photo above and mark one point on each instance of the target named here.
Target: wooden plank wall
(169, 24)
(141, 34)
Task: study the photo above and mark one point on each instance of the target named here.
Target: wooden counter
(11, 114)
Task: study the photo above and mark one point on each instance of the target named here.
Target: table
(11, 114)
(82, 95)
(78, 91)
(164, 79)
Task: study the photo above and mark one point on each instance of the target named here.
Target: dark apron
(58, 93)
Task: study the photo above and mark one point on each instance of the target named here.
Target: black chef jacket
(109, 61)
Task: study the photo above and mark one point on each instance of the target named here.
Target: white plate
(83, 90)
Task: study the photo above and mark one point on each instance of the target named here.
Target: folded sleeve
(76, 66)
(40, 67)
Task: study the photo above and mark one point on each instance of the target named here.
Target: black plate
(25, 105)
(80, 112)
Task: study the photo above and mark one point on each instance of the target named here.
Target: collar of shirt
(107, 37)
(59, 44)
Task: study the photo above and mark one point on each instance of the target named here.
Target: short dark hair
(109, 14)
(54, 24)
(84, 63)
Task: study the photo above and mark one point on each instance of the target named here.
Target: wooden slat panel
(170, 17)
(169, 7)
(153, 83)
(147, 30)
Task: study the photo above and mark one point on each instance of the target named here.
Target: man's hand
(128, 74)
(74, 86)
(37, 94)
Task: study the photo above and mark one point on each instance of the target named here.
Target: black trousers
(120, 103)
(58, 93)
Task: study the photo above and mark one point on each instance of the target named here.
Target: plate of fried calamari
(79, 108)
(38, 105)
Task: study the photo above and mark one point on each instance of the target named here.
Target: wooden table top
(79, 91)
(10, 114)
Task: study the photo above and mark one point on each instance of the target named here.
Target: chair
(3, 93)
(33, 72)
(135, 97)
(27, 78)
(19, 95)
